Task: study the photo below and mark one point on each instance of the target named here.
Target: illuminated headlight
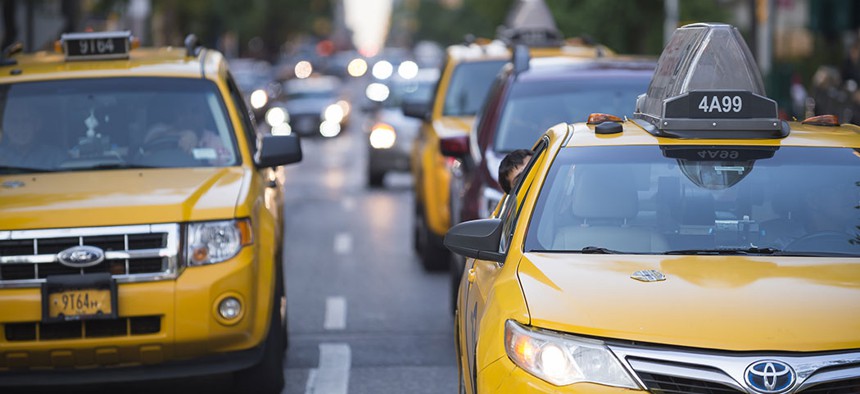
(357, 67)
(344, 105)
(329, 129)
(276, 116)
(230, 308)
(333, 113)
(382, 136)
(408, 69)
(382, 69)
(488, 201)
(564, 359)
(282, 129)
(214, 242)
(377, 92)
(259, 98)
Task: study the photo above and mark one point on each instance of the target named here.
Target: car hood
(715, 302)
(103, 198)
(452, 126)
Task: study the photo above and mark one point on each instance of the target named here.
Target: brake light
(454, 146)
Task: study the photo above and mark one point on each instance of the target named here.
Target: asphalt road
(363, 316)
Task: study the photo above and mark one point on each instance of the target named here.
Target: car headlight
(333, 113)
(276, 116)
(562, 359)
(382, 136)
(259, 98)
(488, 201)
(214, 242)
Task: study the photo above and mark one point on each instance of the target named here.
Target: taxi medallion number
(73, 304)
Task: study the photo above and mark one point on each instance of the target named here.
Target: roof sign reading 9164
(86, 46)
(720, 104)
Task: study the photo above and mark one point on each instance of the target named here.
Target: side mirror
(416, 109)
(455, 147)
(278, 150)
(477, 239)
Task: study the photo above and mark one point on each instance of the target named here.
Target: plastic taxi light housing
(822, 120)
(562, 359)
(215, 242)
(598, 118)
(707, 85)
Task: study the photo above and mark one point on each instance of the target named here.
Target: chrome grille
(692, 371)
(132, 253)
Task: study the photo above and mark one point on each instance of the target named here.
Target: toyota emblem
(769, 376)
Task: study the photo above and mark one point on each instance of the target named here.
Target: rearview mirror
(455, 147)
(278, 150)
(416, 109)
(477, 239)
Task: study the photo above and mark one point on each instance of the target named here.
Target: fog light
(230, 308)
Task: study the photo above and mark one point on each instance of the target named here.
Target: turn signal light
(822, 120)
(597, 118)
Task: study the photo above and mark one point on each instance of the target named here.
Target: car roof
(563, 68)
(166, 61)
(846, 135)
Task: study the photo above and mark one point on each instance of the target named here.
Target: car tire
(431, 248)
(268, 375)
(375, 178)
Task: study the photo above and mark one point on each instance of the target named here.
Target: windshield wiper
(16, 169)
(727, 251)
(597, 250)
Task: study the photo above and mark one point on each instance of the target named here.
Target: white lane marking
(335, 313)
(343, 243)
(332, 376)
(348, 204)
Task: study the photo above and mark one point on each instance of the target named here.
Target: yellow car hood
(103, 198)
(452, 126)
(716, 302)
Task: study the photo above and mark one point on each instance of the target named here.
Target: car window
(533, 107)
(648, 199)
(106, 123)
(468, 87)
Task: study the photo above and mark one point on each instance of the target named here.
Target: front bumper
(182, 326)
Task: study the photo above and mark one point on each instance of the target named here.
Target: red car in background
(528, 97)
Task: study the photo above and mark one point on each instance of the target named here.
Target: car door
(480, 276)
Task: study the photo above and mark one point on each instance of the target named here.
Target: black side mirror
(278, 150)
(477, 239)
(416, 109)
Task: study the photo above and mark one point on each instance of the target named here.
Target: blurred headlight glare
(259, 98)
(382, 70)
(333, 113)
(562, 359)
(276, 116)
(282, 129)
(357, 67)
(304, 69)
(382, 136)
(407, 69)
(215, 242)
(329, 129)
(344, 105)
(377, 92)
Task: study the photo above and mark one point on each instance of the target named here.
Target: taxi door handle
(471, 276)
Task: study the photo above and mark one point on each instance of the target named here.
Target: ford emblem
(81, 256)
(769, 376)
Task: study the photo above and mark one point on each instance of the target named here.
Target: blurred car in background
(391, 133)
(312, 106)
(528, 97)
(257, 83)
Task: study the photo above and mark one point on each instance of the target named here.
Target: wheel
(374, 179)
(432, 251)
(268, 375)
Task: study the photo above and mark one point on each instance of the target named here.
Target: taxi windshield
(700, 200)
(109, 123)
(533, 107)
(469, 85)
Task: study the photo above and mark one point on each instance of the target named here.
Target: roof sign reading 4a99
(720, 105)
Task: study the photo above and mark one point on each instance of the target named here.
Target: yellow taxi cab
(703, 246)
(466, 77)
(140, 218)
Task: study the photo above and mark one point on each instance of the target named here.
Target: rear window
(107, 123)
(651, 199)
(469, 86)
(533, 107)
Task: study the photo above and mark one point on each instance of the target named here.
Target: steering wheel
(821, 241)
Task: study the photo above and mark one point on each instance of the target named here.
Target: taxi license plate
(78, 297)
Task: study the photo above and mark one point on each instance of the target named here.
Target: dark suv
(528, 97)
